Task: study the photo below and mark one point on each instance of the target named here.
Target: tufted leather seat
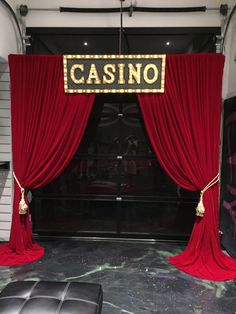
(46, 297)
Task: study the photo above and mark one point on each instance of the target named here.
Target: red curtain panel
(47, 127)
(183, 125)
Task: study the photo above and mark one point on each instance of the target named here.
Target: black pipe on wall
(133, 9)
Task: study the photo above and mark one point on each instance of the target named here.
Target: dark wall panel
(228, 178)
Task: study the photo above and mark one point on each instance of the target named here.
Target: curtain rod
(223, 9)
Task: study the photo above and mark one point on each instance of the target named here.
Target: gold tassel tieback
(200, 210)
(23, 207)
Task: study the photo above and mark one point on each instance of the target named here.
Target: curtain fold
(47, 127)
(183, 125)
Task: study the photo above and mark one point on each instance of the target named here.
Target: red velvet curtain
(47, 127)
(184, 128)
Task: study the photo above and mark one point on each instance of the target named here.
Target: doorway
(114, 185)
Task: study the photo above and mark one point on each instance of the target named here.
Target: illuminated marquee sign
(114, 73)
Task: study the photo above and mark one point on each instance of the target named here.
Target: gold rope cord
(200, 210)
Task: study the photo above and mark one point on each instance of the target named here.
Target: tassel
(200, 210)
(22, 205)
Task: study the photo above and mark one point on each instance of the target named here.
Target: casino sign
(114, 73)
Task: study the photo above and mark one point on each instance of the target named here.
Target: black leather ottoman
(46, 297)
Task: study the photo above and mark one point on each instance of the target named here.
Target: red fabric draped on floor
(183, 125)
(47, 127)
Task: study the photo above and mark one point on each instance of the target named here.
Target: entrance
(114, 186)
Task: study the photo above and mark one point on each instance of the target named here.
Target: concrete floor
(135, 277)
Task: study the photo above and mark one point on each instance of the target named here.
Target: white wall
(8, 34)
(5, 153)
(57, 19)
(8, 44)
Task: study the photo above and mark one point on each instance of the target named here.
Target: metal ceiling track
(9, 9)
